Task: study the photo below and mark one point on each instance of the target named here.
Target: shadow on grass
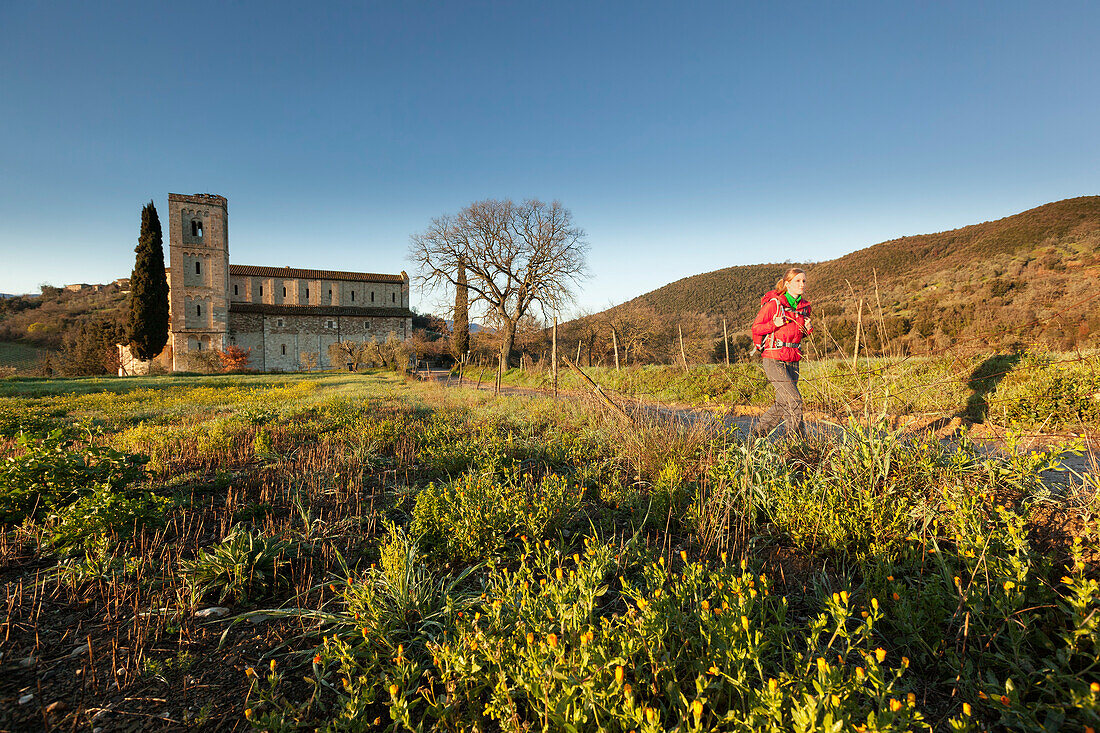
(983, 380)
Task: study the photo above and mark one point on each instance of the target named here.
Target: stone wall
(278, 339)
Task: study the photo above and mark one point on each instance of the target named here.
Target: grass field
(1047, 390)
(362, 552)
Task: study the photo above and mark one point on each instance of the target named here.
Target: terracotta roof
(258, 271)
(318, 310)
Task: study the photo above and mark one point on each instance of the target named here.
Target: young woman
(783, 320)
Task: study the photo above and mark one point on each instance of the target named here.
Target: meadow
(1036, 390)
(365, 552)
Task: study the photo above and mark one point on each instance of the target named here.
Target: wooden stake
(597, 389)
(683, 356)
(726, 341)
(579, 343)
(554, 356)
(615, 344)
(859, 328)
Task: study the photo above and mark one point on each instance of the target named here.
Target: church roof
(260, 271)
(319, 310)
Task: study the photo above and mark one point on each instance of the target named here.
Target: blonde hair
(781, 283)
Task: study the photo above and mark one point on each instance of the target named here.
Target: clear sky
(684, 136)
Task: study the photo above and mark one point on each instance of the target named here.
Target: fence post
(726, 341)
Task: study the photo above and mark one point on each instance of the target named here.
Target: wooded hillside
(1000, 284)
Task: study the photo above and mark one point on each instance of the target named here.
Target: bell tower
(198, 276)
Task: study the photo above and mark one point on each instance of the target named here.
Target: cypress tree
(460, 333)
(147, 329)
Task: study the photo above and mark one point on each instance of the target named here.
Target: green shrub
(53, 472)
(103, 518)
(471, 517)
(244, 565)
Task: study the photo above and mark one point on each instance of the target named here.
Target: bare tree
(516, 256)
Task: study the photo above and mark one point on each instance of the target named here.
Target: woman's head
(794, 282)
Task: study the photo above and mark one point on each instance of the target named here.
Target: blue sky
(684, 136)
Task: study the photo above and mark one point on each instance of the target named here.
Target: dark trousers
(788, 401)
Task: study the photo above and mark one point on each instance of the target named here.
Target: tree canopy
(147, 328)
(515, 257)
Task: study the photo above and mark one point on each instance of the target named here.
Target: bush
(52, 473)
(243, 566)
(471, 517)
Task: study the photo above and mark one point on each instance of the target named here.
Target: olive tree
(515, 258)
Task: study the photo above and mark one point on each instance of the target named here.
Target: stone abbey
(286, 316)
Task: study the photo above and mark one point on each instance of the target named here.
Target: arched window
(284, 291)
(196, 228)
(234, 290)
(198, 268)
(393, 297)
(307, 293)
(198, 310)
(284, 349)
(261, 291)
(352, 296)
(372, 296)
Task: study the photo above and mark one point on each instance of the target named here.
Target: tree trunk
(507, 343)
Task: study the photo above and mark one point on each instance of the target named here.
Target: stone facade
(283, 315)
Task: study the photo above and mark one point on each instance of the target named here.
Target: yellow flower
(864, 614)
(552, 640)
(859, 673)
(250, 672)
(651, 716)
(272, 665)
(880, 655)
(772, 685)
(696, 709)
(844, 597)
(1095, 687)
(723, 558)
(745, 623)
(577, 558)
(905, 662)
(911, 699)
(393, 690)
(628, 691)
(835, 700)
(684, 555)
(966, 708)
(705, 605)
(895, 596)
(895, 705)
(890, 578)
(619, 674)
(1005, 701)
(874, 603)
(530, 638)
(557, 573)
(248, 713)
(1009, 585)
(836, 598)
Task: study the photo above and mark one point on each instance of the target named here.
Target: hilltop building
(280, 313)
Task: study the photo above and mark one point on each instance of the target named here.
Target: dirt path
(989, 439)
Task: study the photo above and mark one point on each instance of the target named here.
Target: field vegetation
(362, 552)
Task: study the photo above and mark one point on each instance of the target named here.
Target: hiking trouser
(788, 401)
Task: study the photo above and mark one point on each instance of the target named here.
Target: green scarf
(793, 300)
